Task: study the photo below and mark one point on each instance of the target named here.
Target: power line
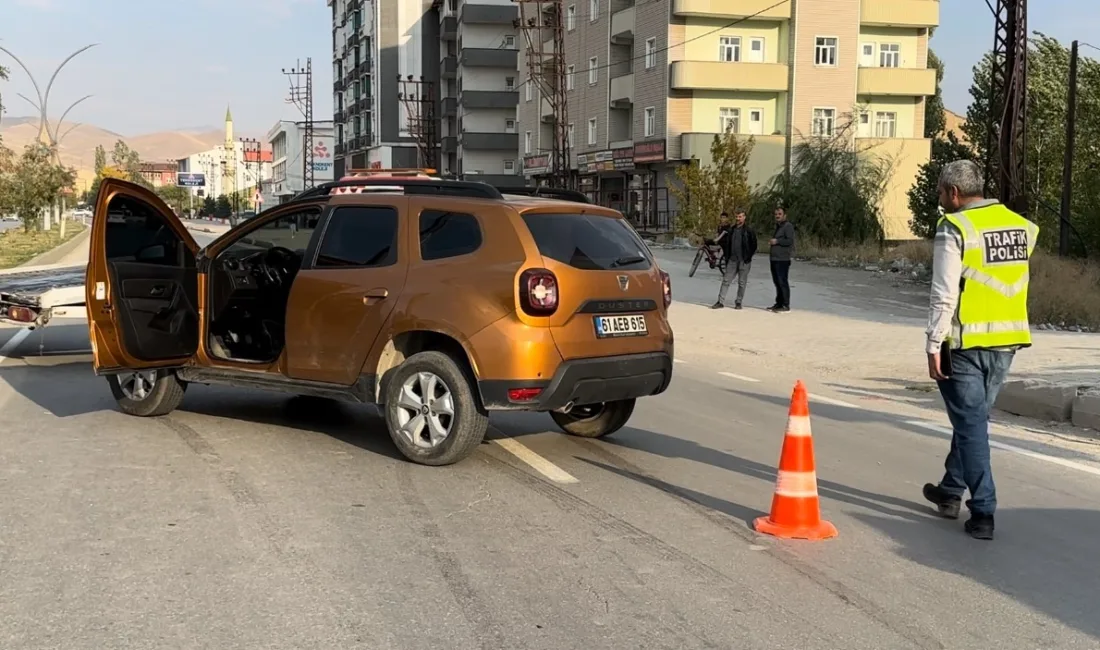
(690, 40)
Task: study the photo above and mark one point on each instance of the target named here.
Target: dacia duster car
(437, 300)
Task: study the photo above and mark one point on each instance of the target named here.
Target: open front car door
(142, 283)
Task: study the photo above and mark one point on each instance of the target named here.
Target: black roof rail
(549, 192)
(411, 185)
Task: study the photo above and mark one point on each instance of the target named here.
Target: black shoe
(737, 306)
(946, 503)
(980, 526)
(717, 305)
(782, 310)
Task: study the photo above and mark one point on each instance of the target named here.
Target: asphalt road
(247, 520)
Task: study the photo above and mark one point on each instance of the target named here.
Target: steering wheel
(276, 264)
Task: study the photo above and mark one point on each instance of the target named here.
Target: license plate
(616, 326)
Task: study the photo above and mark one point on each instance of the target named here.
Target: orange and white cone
(796, 508)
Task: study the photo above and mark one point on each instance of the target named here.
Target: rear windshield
(589, 242)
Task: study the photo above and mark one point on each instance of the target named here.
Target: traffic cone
(796, 510)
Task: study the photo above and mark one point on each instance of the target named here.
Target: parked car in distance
(438, 300)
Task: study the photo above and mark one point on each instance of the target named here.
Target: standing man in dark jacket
(782, 249)
(738, 245)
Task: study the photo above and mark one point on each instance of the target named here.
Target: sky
(163, 65)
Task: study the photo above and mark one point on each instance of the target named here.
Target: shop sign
(623, 158)
(536, 164)
(649, 152)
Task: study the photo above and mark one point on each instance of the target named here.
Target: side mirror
(155, 252)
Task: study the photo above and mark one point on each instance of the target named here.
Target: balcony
(900, 13)
(337, 85)
(449, 144)
(479, 57)
(479, 14)
(490, 141)
(448, 28)
(897, 82)
(546, 111)
(338, 117)
(450, 107)
(721, 75)
(448, 67)
(489, 99)
(622, 91)
(752, 9)
(340, 148)
(622, 27)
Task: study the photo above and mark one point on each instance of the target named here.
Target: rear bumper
(586, 381)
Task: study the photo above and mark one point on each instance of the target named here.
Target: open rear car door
(142, 284)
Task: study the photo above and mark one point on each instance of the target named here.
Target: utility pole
(1067, 166)
(1008, 104)
(417, 98)
(253, 152)
(301, 95)
(542, 21)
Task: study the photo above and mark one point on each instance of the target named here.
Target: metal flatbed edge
(50, 291)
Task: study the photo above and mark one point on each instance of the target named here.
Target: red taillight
(21, 314)
(666, 281)
(538, 292)
(523, 394)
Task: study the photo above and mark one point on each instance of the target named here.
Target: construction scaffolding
(301, 95)
(417, 97)
(1007, 133)
(541, 22)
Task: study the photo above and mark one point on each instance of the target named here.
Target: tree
(31, 183)
(834, 189)
(924, 199)
(222, 208)
(175, 196)
(209, 206)
(934, 119)
(100, 159)
(705, 191)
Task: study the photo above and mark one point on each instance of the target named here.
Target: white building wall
(290, 166)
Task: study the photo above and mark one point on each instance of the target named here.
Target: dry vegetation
(18, 246)
(1064, 293)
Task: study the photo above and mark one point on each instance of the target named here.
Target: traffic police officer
(977, 322)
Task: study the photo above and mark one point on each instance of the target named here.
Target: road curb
(1046, 400)
(58, 252)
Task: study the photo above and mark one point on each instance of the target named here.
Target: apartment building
(650, 82)
(478, 90)
(374, 42)
(287, 155)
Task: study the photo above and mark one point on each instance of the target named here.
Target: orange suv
(438, 300)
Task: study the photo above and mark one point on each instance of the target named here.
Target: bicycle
(710, 250)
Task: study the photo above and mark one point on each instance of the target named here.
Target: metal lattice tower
(542, 21)
(1007, 133)
(416, 96)
(301, 95)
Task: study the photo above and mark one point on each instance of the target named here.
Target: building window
(509, 83)
(593, 10)
(729, 49)
(886, 124)
(571, 18)
(509, 42)
(824, 124)
(825, 48)
(650, 53)
(528, 88)
(889, 55)
(569, 73)
(509, 166)
(527, 142)
(593, 70)
(509, 126)
(649, 124)
(729, 120)
(571, 135)
(592, 131)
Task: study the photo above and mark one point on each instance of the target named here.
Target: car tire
(147, 393)
(695, 264)
(407, 388)
(583, 423)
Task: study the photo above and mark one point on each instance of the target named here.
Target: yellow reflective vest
(997, 247)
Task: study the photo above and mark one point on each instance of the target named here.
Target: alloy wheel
(425, 410)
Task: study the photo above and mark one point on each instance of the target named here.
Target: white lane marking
(679, 361)
(1054, 460)
(740, 377)
(835, 402)
(538, 463)
(13, 343)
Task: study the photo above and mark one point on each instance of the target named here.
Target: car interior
(249, 287)
(153, 280)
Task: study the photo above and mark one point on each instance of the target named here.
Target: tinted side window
(136, 228)
(448, 234)
(587, 241)
(359, 237)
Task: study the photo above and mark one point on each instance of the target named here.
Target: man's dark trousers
(781, 270)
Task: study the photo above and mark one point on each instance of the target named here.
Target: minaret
(230, 155)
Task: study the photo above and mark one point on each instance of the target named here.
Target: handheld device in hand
(945, 358)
